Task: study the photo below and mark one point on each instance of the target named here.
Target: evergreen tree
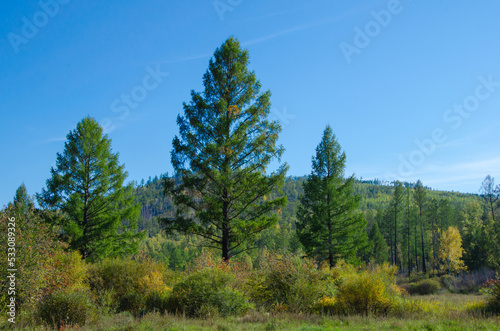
(396, 205)
(474, 237)
(22, 199)
(408, 220)
(379, 252)
(220, 157)
(421, 201)
(87, 186)
(328, 225)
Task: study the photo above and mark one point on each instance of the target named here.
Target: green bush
(124, 284)
(289, 283)
(157, 301)
(447, 282)
(207, 292)
(425, 286)
(492, 289)
(66, 308)
(417, 277)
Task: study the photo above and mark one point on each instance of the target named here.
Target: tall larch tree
(421, 202)
(396, 205)
(220, 156)
(329, 225)
(87, 186)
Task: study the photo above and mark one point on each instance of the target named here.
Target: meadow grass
(448, 312)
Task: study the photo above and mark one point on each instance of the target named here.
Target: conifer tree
(380, 249)
(328, 225)
(100, 216)
(421, 201)
(396, 205)
(225, 143)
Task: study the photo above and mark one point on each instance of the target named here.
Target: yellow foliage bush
(127, 284)
(325, 305)
(288, 281)
(371, 290)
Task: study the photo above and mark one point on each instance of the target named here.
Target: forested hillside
(444, 209)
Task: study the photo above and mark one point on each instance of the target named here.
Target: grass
(461, 320)
(444, 311)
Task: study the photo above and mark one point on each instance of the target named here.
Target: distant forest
(443, 209)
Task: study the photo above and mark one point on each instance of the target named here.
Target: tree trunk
(225, 228)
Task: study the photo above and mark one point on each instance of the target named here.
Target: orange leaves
(233, 110)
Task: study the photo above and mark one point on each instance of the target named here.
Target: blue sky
(410, 88)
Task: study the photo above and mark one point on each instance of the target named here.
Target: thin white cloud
(464, 177)
(50, 140)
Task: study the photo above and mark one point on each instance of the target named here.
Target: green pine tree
(396, 205)
(22, 200)
(329, 226)
(87, 186)
(379, 252)
(220, 157)
(420, 197)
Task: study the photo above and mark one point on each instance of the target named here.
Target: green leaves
(87, 186)
(329, 226)
(220, 156)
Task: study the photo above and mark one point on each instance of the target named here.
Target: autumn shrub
(36, 249)
(367, 291)
(416, 277)
(447, 281)
(127, 285)
(287, 282)
(207, 292)
(66, 307)
(471, 282)
(492, 290)
(425, 286)
(67, 270)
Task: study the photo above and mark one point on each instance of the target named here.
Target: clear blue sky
(388, 76)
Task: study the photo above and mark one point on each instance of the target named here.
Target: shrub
(325, 305)
(471, 282)
(286, 282)
(126, 285)
(425, 286)
(492, 289)
(157, 301)
(370, 291)
(416, 277)
(205, 293)
(447, 281)
(66, 308)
